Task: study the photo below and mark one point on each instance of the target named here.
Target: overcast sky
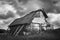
(26, 6)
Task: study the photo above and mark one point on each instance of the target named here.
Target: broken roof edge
(27, 19)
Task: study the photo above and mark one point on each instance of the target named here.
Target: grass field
(45, 35)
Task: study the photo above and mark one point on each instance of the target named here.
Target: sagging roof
(27, 19)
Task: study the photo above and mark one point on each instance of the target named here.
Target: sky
(23, 7)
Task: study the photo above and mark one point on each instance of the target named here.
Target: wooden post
(18, 30)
